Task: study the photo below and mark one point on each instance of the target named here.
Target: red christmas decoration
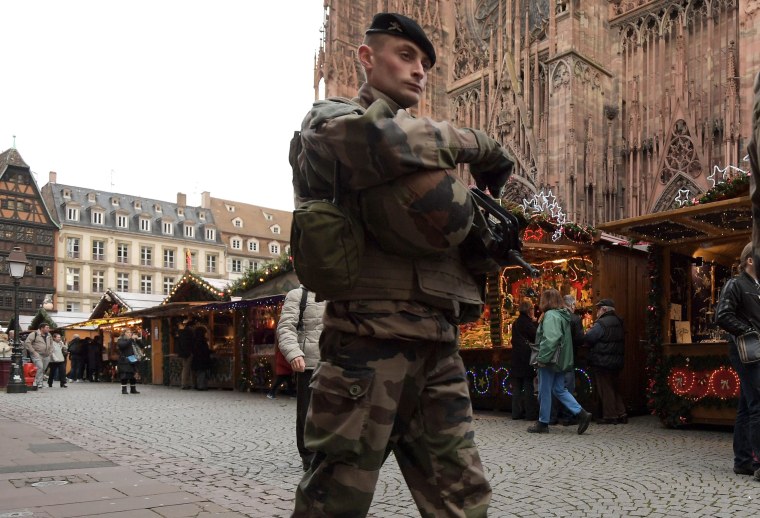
(724, 383)
(701, 386)
(681, 381)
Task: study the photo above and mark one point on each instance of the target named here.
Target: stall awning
(721, 226)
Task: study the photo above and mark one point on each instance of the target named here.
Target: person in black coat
(201, 361)
(606, 358)
(94, 358)
(77, 354)
(524, 402)
(127, 368)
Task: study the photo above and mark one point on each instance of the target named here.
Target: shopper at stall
(39, 345)
(127, 364)
(521, 373)
(606, 358)
(298, 333)
(201, 358)
(555, 358)
(57, 363)
(738, 312)
(76, 355)
(185, 353)
(94, 358)
(559, 413)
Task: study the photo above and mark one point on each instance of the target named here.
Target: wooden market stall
(692, 252)
(589, 270)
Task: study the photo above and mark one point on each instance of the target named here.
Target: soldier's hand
(298, 364)
(493, 174)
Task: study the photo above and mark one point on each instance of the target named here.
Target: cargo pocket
(339, 409)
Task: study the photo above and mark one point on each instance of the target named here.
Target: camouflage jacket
(376, 141)
(754, 160)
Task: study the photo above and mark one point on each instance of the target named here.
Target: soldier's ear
(365, 56)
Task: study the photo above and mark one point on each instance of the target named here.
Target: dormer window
(138, 205)
(210, 234)
(237, 223)
(66, 194)
(268, 216)
(189, 231)
(122, 221)
(157, 208)
(167, 228)
(180, 212)
(97, 217)
(230, 208)
(72, 213)
(253, 245)
(202, 216)
(91, 198)
(115, 201)
(145, 224)
(275, 229)
(236, 243)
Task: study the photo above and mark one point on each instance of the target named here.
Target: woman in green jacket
(555, 357)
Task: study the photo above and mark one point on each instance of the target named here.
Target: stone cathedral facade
(614, 105)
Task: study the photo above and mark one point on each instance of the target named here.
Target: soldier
(390, 378)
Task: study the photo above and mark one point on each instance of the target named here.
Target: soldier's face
(398, 68)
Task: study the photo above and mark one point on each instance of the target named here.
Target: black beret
(399, 25)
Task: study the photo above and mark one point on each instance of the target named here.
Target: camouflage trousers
(371, 397)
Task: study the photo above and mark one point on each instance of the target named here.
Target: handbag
(748, 346)
(132, 358)
(137, 352)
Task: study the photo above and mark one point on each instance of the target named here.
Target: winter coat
(125, 349)
(201, 355)
(185, 342)
(607, 340)
(523, 334)
(76, 348)
(292, 342)
(738, 310)
(576, 331)
(95, 354)
(59, 352)
(553, 332)
(39, 345)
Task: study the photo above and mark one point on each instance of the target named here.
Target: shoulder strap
(304, 297)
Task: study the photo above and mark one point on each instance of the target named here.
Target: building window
(98, 281)
(230, 208)
(189, 231)
(276, 229)
(122, 221)
(145, 224)
(235, 243)
(72, 306)
(122, 253)
(72, 214)
(210, 234)
(168, 283)
(253, 246)
(138, 205)
(274, 249)
(169, 259)
(98, 251)
(254, 265)
(268, 216)
(97, 218)
(181, 213)
(238, 222)
(168, 228)
(72, 279)
(115, 201)
(72, 248)
(146, 256)
(122, 281)
(193, 262)
(157, 208)
(237, 266)
(146, 284)
(202, 216)
(211, 263)
(91, 197)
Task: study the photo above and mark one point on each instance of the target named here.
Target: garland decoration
(733, 187)
(266, 272)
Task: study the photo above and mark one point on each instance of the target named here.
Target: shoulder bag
(748, 346)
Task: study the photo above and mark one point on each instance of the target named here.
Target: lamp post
(17, 265)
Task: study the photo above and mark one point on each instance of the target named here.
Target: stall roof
(196, 288)
(125, 301)
(719, 229)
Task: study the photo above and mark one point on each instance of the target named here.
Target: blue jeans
(553, 383)
(559, 411)
(747, 426)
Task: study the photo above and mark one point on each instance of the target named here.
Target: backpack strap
(302, 306)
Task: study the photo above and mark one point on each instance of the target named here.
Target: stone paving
(237, 450)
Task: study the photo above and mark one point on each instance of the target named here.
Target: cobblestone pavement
(238, 451)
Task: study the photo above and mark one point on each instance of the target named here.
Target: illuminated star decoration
(683, 197)
(727, 173)
(546, 201)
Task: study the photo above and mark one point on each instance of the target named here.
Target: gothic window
(681, 156)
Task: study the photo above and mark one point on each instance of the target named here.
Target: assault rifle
(500, 235)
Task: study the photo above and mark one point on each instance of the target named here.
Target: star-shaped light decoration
(683, 197)
(711, 178)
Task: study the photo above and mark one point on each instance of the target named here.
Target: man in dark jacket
(77, 353)
(606, 358)
(185, 353)
(560, 414)
(524, 402)
(738, 312)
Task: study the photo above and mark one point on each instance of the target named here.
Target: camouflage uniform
(390, 378)
(754, 189)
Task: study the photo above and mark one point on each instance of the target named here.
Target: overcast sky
(155, 97)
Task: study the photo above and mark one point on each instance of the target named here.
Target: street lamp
(17, 265)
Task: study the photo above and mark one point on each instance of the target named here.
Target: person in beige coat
(298, 332)
(39, 344)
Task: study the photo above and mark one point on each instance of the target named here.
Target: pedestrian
(560, 414)
(738, 312)
(390, 378)
(555, 358)
(86, 368)
(201, 358)
(606, 358)
(298, 332)
(57, 362)
(39, 344)
(77, 356)
(94, 358)
(283, 373)
(522, 374)
(185, 353)
(127, 363)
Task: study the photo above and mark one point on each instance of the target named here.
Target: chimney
(181, 199)
(205, 200)
(53, 177)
